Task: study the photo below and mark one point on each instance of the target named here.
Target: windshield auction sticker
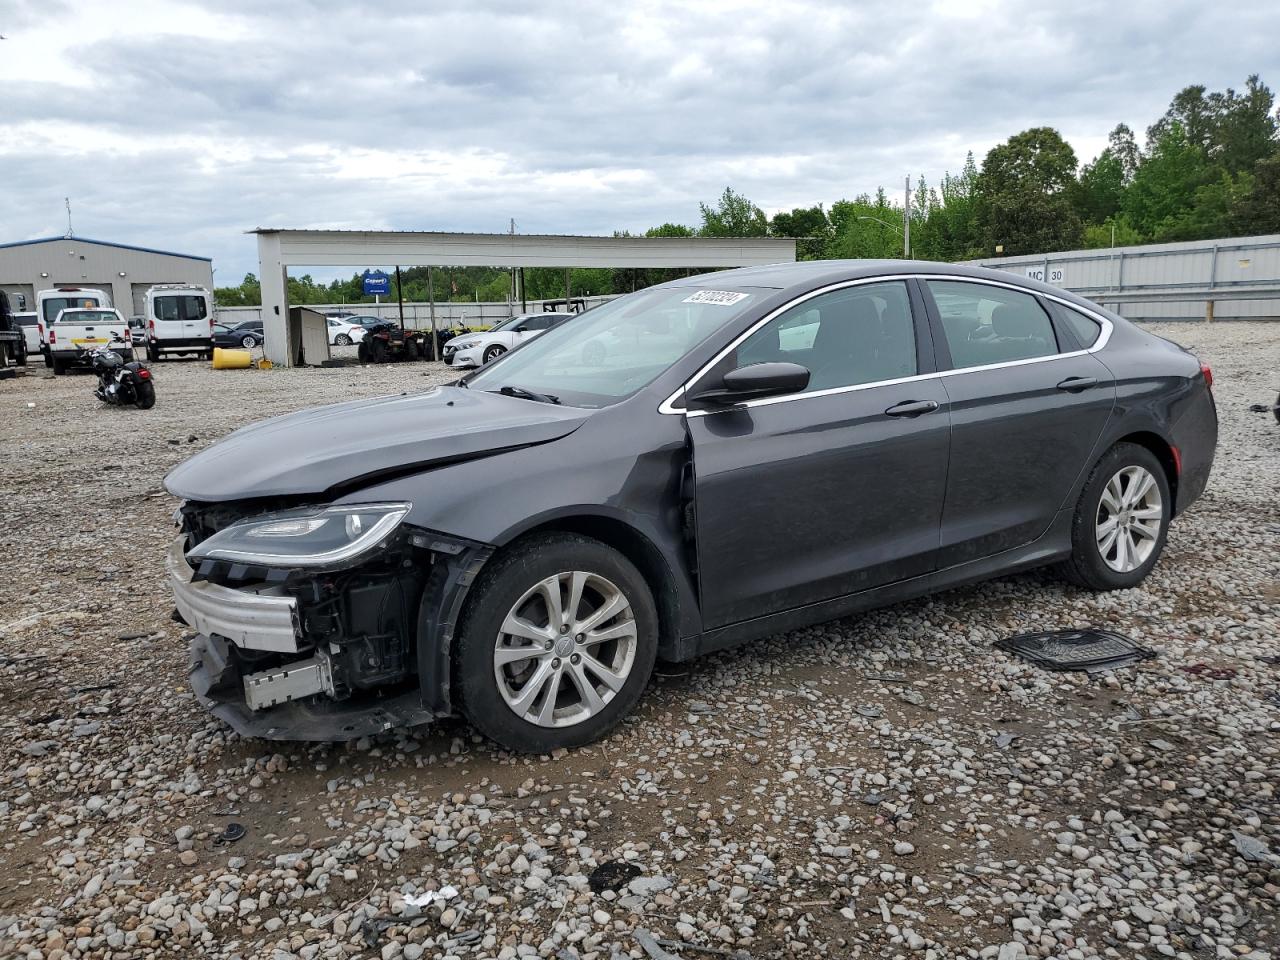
(722, 298)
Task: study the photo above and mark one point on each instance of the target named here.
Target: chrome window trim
(666, 406)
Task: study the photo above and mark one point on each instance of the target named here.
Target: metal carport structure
(279, 249)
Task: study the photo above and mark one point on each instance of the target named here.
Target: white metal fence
(417, 316)
(1232, 278)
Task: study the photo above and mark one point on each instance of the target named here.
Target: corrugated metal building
(123, 270)
(1231, 278)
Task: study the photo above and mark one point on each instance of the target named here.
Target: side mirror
(522, 329)
(752, 382)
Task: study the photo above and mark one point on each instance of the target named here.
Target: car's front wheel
(248, 341)
(556, 645)
(1121, 520)
(342, 340)
(494, 352)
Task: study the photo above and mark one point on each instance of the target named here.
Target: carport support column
(275, 299)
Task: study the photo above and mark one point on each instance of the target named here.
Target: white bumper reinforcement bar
(254, 621)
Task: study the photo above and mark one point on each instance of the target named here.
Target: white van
(179, 320)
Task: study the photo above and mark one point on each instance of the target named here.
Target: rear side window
(985, 324)
(180, 307)
(861, 334)
(1086, 329)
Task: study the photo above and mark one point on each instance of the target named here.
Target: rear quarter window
(1086, 329)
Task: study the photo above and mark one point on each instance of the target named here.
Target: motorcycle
(122, 383)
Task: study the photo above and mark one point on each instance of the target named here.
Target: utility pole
(512, 298)
(906, 222)
(67, 201)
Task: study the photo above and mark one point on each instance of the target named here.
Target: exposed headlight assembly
(309, 537)
(467, 346)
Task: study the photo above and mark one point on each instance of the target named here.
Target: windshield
(506, 324)
(88, 316)
(55, 305)
(605, 355)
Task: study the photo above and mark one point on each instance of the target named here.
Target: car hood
(480, 337)
(347, 444)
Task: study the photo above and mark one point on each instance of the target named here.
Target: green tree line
(1208, 167)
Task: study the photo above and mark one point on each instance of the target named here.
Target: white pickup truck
(76, 333)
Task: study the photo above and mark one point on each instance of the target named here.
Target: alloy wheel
(565, 649)
(1129, 518)
(248, 342)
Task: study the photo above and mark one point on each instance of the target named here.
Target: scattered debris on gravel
(889, 785)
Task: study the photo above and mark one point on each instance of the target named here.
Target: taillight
(53, 336)
(144, 373)
(151, 328)
(1208, 374)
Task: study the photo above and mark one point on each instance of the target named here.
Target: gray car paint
(682, 496)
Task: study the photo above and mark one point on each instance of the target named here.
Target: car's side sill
(1053, 545)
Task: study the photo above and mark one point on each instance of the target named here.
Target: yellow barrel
(231, 359)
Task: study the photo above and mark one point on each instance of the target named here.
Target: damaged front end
(318, 622)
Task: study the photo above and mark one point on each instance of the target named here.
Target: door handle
(1076, 384)
(912, 408)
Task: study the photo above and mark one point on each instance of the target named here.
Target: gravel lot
(847, 790)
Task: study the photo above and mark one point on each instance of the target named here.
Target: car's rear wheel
(153, 353)
(59, 367)
(342, 340)
(494, 352)
(1121, 520)
(248, 341)
(556, 645)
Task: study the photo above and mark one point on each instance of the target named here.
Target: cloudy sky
(181, 125)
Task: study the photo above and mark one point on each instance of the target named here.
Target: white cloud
(181, 125)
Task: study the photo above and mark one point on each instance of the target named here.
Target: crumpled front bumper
(229, 620)
(218, 684)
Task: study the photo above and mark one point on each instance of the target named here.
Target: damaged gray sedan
(750, 452)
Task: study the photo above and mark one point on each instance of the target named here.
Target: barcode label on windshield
(723, 298)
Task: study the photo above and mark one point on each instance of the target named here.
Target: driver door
(837, 489)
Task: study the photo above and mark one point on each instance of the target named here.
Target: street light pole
(906, 222)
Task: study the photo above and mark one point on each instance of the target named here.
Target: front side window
(180, 307)
(984, 324)
(612, 351)
(860, 334)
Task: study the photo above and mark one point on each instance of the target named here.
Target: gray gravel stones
(883, 786)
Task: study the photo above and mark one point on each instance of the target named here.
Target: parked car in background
(243, 336)
(477, 349)
(179, 321)
(29, 321)
(76, 333)
(521, 547)
(344, 331)
(138, 331)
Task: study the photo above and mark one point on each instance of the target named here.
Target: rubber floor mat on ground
(1093, 651)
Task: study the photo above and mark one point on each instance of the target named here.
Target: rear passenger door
(1028, 405)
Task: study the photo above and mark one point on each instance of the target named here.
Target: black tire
(59, 367)
(362, 352)
(378, 351)
(342, 340)
(494, 352)
(1276, 409)
(48, 357)
(1086, 567)
(144, 396)
(500, 586)
(153, 353)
